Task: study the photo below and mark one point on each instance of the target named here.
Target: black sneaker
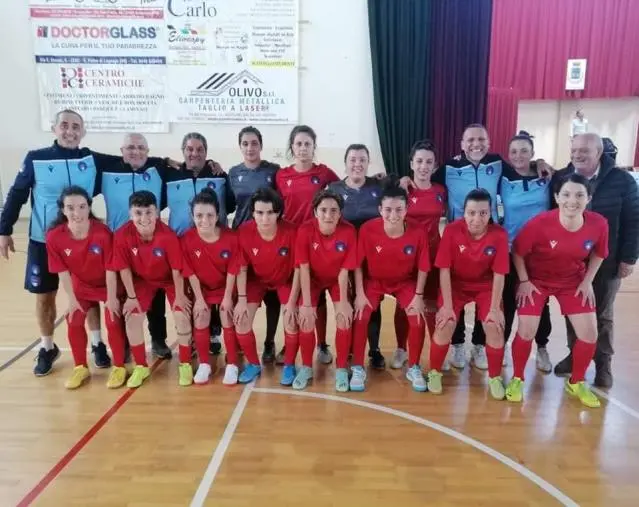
(376, 360)
(101, 357)
(45, 360)
(161, 350)
(215, 345)
(268, 355)
(564, 367)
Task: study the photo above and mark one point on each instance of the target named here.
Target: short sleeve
(301, 247)
(424, 254)
(55, 262)
(350, 261)
(443, 259)
(174, 252)
(524, 241)
(120, 256)
(187, 267)
(330, 177)
(501, 263)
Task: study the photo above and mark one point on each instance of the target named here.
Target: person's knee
(182, 322)
(341, 322)
(444, 335)
(527, 328)
(494, 335)
(202, 321)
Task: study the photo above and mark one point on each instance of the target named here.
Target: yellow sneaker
(582, 391)
(185, 372)
(139, 375)
(435, 382)
(117, 377)
(77, 378)
(496, 386)
(515, 390)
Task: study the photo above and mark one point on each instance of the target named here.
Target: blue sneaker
(304, 376)
(288, 375)
(341, 380)
(250, 373)
(358, 379)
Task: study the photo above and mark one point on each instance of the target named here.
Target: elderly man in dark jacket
(615, 196)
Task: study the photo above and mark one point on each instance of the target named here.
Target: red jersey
(392, 259)
(326, 255)
(271, 262)
(152, 261)
(85, 259)
(209, 262)
(425, 209)
(298, 189)
(557, 257)
(472, 262)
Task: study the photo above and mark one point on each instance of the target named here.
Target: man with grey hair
(615, 196)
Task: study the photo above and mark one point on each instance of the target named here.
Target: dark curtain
(460, 45)
(399, 37)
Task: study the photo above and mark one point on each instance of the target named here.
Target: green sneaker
(496, 386)
(303, 377)
(341, 380)
(139, 375)
(582, 391)
(515, 390)
(185, 374)
(435, 382)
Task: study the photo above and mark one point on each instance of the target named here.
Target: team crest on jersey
(409, 249)
(553, 243)
(490, 170)
(541, 182)
(462, 248)
(414, 200)
(315, 246)
(340, 246)
(225, 254)
(117, 180)
(378, 248)
(134, 250)
(440, 198)
(95, 249)
(197, 253)
(283, 251)
(177, 186)
(255, 250)
(146, 176)
(315, 180)
(289, 183)
(158, 252)
(82, 166)
(459, 173)
(211, 184)
(588, 244)
(50, 167)
(67, 251)
(490, 251)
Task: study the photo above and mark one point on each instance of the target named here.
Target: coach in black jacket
(615, 196)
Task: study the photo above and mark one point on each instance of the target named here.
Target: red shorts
(211, 296)
(482, 298)
(255, 291)
(431, 289)
(145, 292)
(568, 302)
(403, 291)
(316, 292)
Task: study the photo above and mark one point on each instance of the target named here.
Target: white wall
(336, 94)
(549, 122)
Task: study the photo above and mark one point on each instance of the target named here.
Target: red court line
(80, 444)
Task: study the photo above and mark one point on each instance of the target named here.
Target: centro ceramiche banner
(232, 61)
(105, 59)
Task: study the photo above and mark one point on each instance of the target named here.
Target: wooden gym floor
(261, 445)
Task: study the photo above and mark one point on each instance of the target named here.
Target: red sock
(438, 355)
(249, 346)
(495, 360)
(117, 337)
(78, 338)
(201, 338)
(582, 354)
(320, 324)
(231, 344)
(139, 354)
(360, 337)
(401, 327)
(292, 345)
(307, 344)
(430, 323)
(342, 346)
(416, 336)
(521, 353)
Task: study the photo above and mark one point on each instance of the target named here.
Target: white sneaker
(446, 365)
(543, 360)
(231, 373)
(400, 356)
(416, 377)
(478, 357)
(458, 359)
(203, 374)
(324, 355)
(507, 356)
(358, 378)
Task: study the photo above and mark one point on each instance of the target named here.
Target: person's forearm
(67, 285)
(112, 285)
(520, 267)
(305, 283)
(196, 287)
(498, 291)
(446, 287)
(593, 266)
(342, 281)
(127, 280)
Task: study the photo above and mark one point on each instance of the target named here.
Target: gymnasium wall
(549, 121)
(336, 94)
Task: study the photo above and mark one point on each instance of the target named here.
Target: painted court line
(80, 444)
(25, 351)
(216, 460)
(614, 401)
(505, 460)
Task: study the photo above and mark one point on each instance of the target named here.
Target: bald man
(615, 196)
